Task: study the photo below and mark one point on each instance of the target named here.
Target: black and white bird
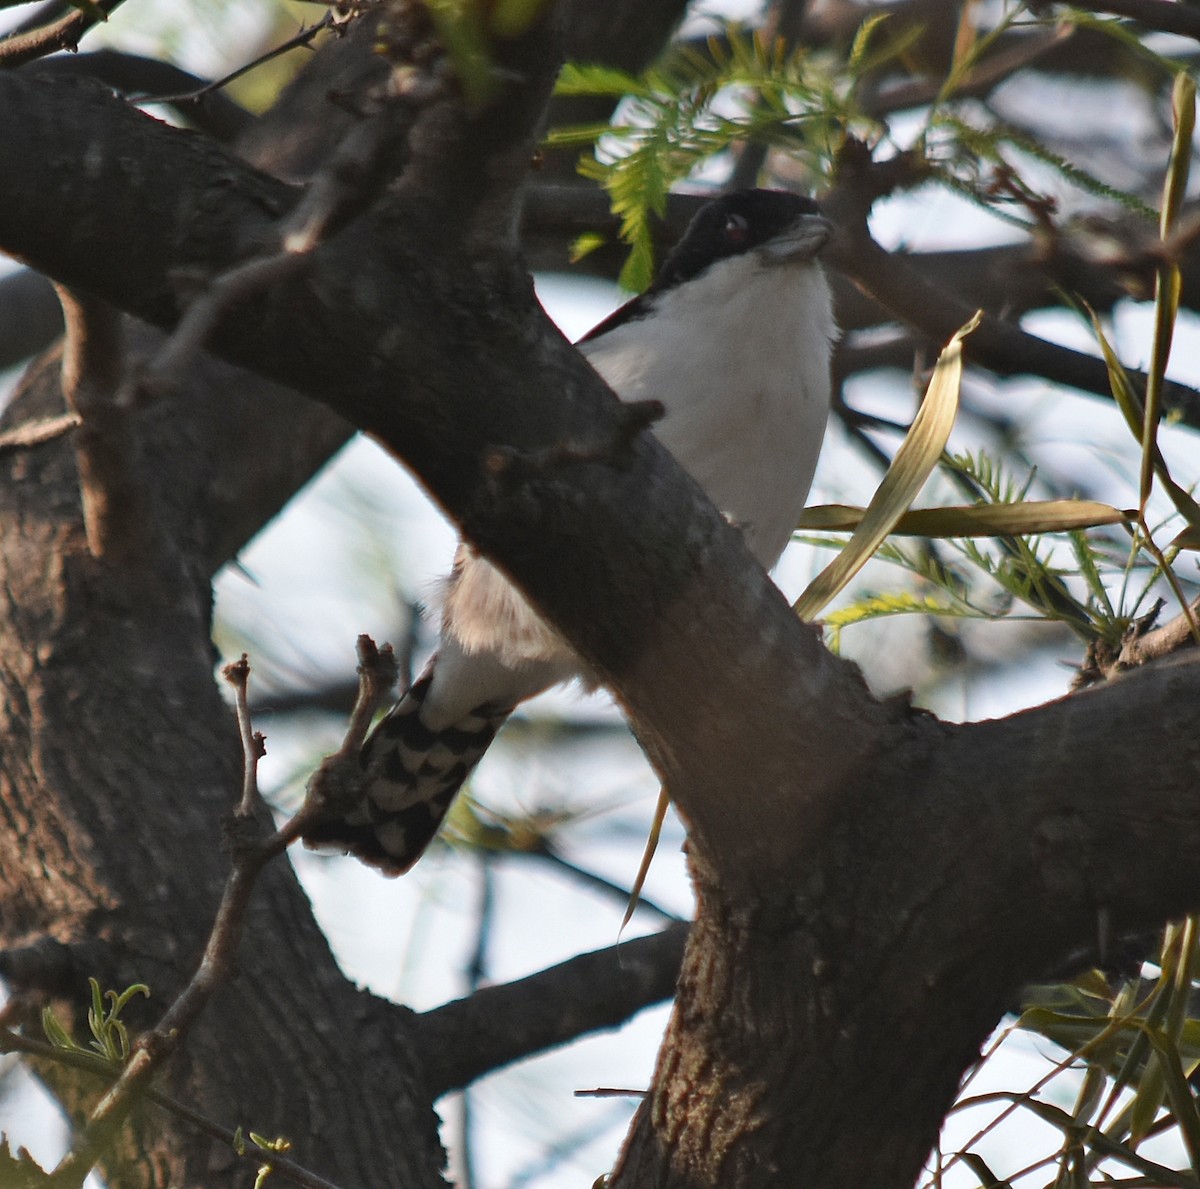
(733, 338)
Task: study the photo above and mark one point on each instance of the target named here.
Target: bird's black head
(729, 226)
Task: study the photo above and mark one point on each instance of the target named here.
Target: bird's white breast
(740, 360)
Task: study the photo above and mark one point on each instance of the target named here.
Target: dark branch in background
(550, 854)
(30, 316)
(997, 344)
(1167, 16)
(148, 80)
(997, 68)
(45, 965)
(61, 34)
(784, 23)
(468, 1038)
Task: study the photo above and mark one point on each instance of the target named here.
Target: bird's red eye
(736, 229)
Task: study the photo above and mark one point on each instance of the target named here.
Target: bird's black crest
(725, 227)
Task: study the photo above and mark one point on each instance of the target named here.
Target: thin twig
(253, 742)
(63, 34)
(477, 967)
(34, 433)
(338, 780)
(250, 855)
(303, 38)
(610, 1092)
(1144, 644)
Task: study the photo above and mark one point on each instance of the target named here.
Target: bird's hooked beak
(802, 241)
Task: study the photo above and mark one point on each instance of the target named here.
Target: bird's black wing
(631, 311)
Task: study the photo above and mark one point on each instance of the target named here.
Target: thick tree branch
(839, 844)
(464, 1040)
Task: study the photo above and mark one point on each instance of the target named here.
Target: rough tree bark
(873, 885)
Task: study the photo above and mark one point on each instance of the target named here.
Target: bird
(733, 337)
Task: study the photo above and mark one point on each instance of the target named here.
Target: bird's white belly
(745, 408)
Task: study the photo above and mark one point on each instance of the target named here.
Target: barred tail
(410, 776)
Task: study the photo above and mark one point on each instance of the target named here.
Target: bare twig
(250, 855)
(63, 34)
(477, 967)
(253, 742)
(463, 1040)
(305, 37)
(288, 1170)
(477, 964)
(116, 514)
(1144, 642)
(337, 782)
(34, 433)
(610, 1092)
(376, 676)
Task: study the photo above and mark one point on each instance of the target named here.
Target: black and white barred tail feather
(411, 774)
